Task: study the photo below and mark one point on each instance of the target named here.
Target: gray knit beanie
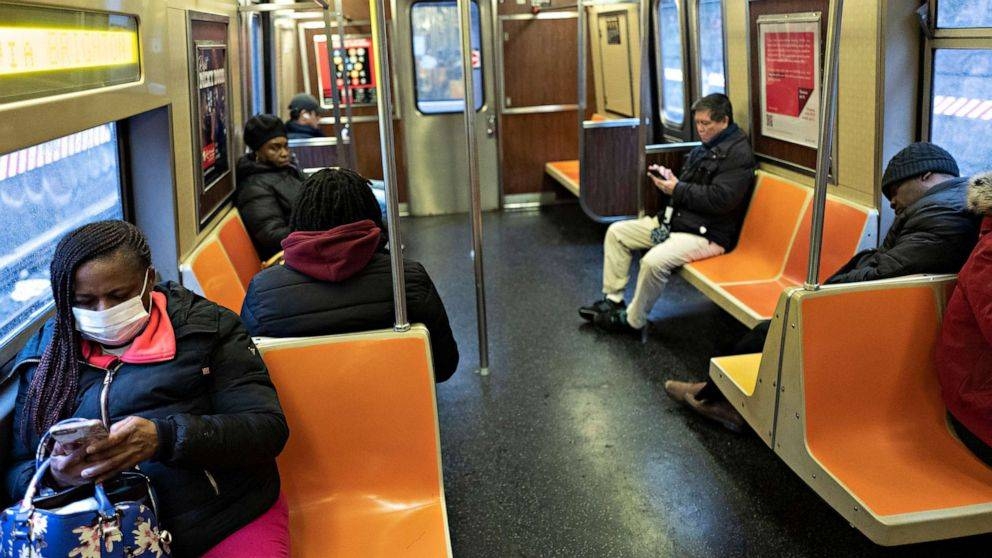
(917, 159)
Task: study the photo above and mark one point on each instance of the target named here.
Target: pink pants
(267, 536)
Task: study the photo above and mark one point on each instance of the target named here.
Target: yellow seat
(742, 370)
(234, 237)
(860, 417)
(362, 469)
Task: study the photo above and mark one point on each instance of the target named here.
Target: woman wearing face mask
(190, 400)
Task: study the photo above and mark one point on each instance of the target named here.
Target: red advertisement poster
(354, 62)
(790, 78)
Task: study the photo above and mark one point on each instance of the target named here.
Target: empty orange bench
(566, 173)
(860, 417)
(362, 468)
(222, 265)
(773, 249)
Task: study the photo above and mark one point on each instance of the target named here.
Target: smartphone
(656, 173)
(77, 431)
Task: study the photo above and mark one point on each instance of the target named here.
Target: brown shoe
(719, 411)
(678, 390)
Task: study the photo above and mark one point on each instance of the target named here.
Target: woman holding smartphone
(190, 400)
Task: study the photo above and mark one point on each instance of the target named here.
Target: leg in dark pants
(752, 342)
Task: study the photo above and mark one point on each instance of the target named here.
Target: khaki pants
(656, 265)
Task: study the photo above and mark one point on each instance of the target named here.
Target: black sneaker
(589, 313)
(615, 322)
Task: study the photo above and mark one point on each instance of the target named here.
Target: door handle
(491, 126)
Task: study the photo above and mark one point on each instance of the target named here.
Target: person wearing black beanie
(268, 184)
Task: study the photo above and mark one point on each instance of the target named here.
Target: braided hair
(52, 392)
(334, 197)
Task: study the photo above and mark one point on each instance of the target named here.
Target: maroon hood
(333, 255)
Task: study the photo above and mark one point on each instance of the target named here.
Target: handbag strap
(104, 506)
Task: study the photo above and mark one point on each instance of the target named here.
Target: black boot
(589, 313)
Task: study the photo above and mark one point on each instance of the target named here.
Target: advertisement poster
(790, 78)
(353, 62)
(211, 86)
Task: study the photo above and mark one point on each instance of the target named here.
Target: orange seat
(843, 229)
(566, 173)
(861, 419)
(210, 273)
(234, 237)
(362, 469)
(767, 232)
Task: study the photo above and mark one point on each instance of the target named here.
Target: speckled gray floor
(570, 447)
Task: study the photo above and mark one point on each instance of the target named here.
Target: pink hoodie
(333, 255)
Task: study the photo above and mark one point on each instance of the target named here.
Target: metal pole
(468, 82)
(645, 108)
(349, 154)
(335, 94)
(581, 79)
(824, 145)
(386, 141)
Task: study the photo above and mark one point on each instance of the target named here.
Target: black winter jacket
(265, 199)
(714, 189)
(283, 302)
(934, 235)
(295, 130)
(219, 422)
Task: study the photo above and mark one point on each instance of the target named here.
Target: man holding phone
(702, 218)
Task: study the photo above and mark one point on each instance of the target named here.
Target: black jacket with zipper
(714, 189)
(220, 425)
(265, 198)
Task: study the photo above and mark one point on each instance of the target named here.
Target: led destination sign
(48, 51)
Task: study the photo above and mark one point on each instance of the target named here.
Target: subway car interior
(506, 141)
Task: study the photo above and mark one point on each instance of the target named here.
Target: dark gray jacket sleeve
(247, 425)
(262, 215)
(428, 308)
(936, 239)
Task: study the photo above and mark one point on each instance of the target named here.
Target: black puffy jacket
(265, 199)
(218, 417)
(714, 188)
(933, 235)
(283, 302)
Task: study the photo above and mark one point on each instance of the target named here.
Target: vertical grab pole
(386, 141)
(335, 94)
(349, 151)
(825, 146)
(644, 110)
(581, 79)
(468, 82)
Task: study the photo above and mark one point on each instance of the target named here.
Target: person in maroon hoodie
(964, 350)
(337, 278)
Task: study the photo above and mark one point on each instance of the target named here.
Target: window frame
(482, 68)
(966, 38)
(9, 350)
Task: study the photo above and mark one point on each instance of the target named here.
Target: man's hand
(131, 441)
(667, 180)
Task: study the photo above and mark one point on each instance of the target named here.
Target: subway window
(711, 60)
(961, 112)
(46, 191)
(672, 67)
(959, 14)
(437, 57)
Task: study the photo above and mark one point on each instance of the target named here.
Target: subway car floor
(570, 446)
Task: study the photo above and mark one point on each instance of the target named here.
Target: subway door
(429, 75)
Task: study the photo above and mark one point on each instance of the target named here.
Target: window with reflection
(711, 61)
(672, 80)
(46, 191)
(964, 13)
(437, 56)
(961, 106)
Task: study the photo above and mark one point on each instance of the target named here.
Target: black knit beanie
(261, 128)
(915, 160)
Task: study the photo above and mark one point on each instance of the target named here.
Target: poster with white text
(790, 78)
(211, 85)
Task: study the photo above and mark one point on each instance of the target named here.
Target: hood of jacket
(332, 255)
(980, 193)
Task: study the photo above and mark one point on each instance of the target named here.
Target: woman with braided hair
(337, 278)
(190, 400)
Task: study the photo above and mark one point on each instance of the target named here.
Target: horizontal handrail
(615, 123)
(666, 147)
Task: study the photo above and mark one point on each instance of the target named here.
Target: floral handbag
(117, 518)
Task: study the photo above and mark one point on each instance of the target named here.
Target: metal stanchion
(824, 146)
(335, 94)
(349, 151)
(468, 81)
(386, 141)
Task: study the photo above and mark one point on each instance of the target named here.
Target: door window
(437, 57)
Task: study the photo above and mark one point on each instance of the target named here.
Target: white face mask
(114, 326)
